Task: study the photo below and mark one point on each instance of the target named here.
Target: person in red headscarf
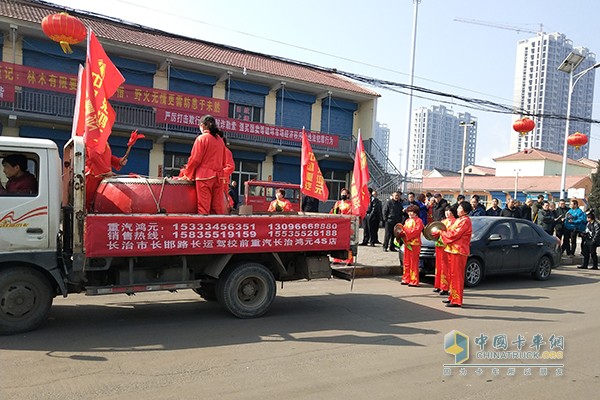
(205, 166)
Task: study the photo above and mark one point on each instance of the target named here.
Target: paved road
(319, 341)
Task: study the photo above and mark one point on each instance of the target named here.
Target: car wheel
(473, 272)
(543, 269)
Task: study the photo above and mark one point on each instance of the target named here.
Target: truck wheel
(246, 290)
(207, 290)
(25, 299)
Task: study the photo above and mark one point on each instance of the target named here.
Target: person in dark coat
(233, 193)
(372, 220)
(525, 210)
(511, 210)
(546, 218)
(561, 213)
(477, 209)
(494, 210)
(392, 215)
(310, 204)
(439, 207)
(536, 207)
(590, 239)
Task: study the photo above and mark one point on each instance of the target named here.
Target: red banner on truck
(163, 235)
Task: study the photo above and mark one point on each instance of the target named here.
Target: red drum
(136, 195)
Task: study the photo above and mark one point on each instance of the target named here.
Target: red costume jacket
(342, 207)
(280, 205)
(412, 231)
(207, 159)
(458, 236)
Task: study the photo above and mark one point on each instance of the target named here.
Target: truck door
(24, 216)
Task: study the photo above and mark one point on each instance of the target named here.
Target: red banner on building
(7, 92)
(36, 78)
(250, 128)
(162, 235)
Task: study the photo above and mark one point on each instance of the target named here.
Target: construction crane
(500, 26)
(518, 30)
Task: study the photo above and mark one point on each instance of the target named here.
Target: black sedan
(503, 245)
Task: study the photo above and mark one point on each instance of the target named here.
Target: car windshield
(480, 226)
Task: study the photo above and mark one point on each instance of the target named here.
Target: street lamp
(516, 182)
(465, 126)
(569, 65)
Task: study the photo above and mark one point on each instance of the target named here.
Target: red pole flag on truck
(359, 190)
(311, 179)
(102, 81)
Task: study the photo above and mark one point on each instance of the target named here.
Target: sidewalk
(373, 261)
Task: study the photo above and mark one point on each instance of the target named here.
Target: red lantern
(524, 125)
(64, 29)
(577, 139)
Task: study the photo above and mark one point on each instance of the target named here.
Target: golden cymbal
(433, 227)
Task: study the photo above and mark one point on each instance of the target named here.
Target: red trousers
(210, 196)
(91, 185)
(456, 264)
(411, 265)
(441, 269)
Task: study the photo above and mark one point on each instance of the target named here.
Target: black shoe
(393, 249)
(582, 267)
(453, 305)
(384, 249)
(596, 267)
(410, 285)
(363, 244)
(372, 244)
(377, 242)
(404, 283)
(446, 301)
(444, 293)
(436, 290)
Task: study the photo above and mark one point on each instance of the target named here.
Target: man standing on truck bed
(205, 167)
(98, 168)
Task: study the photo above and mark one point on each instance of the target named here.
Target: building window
(336, 181)
(245, 113)
(173, 163)
(245, 170)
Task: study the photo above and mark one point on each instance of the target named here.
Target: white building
(437, 139)
(540, 88)
(381, 136)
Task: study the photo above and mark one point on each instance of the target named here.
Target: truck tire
(246, 290)
(25, 300)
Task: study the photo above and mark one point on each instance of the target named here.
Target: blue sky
(374, 39)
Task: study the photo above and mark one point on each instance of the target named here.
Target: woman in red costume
(280, 204)
(458, 246)
(441, 282)
(411, 236)
(205, 167)
(343, 206)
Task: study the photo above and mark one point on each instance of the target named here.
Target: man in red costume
(98, 168)
(441, 282)
(411, 236)
(458, 245)
(205, 166)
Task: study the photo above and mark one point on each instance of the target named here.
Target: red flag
(359, 190)
(79, 115)
(311, 179)
(134, 137)
(102, 81)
